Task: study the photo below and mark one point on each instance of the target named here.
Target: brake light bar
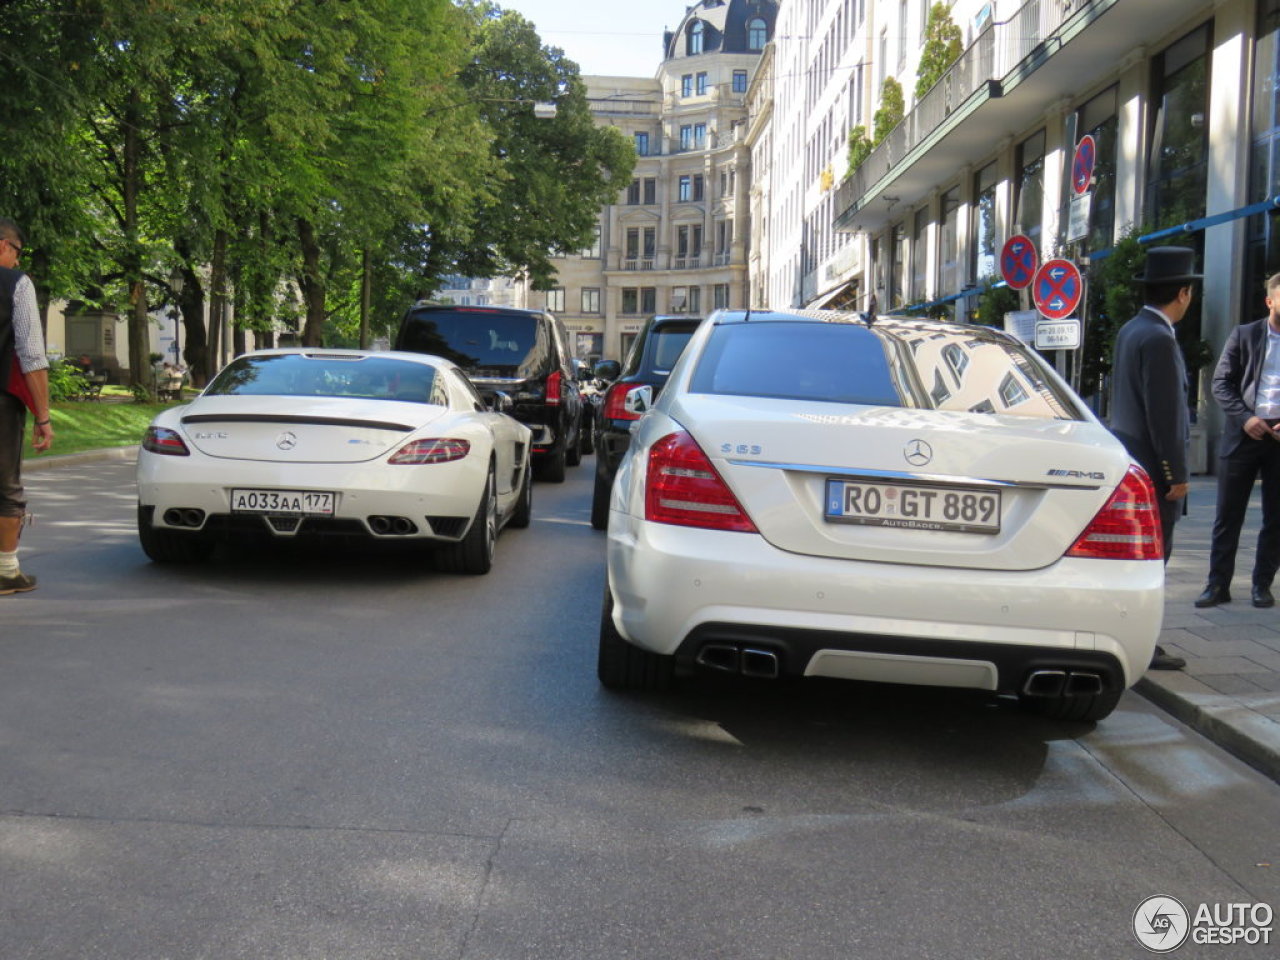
(1128, 525)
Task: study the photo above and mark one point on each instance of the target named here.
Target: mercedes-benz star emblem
(286, 441)
(918, 453)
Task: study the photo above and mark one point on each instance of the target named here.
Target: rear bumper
(678, 589)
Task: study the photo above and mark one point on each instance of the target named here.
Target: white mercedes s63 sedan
(302, 443)
(884, 499)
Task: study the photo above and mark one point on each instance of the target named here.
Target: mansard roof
(725, 27)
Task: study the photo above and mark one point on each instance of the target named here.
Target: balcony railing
(634, 263)
(997, 51)
(685, 263)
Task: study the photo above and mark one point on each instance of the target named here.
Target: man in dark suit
(1246, 384)
(1149, 390)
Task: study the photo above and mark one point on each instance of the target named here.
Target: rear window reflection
(297, 375)
(888, 364)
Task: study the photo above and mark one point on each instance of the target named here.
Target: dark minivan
(655, 351)
(522, 353)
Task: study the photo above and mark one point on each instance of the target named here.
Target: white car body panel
(338, 445)
(1014, 589)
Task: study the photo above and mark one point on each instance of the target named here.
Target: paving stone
(1231, 684)
(1208, 666)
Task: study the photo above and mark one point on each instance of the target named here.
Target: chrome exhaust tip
(1083, 684)
(1045, 683)
(719, 656)
(762, 664)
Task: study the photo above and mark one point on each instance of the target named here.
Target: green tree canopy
(943, 44)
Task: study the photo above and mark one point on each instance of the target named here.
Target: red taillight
(1127, 527)
(431, 451)
(553, 389)
(615, 402)
(165, 441)
(683, 488)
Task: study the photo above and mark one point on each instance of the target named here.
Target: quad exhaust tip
(745, 661)
(184, 517)
(1063, 683)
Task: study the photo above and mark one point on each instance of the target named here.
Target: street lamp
(176, 279)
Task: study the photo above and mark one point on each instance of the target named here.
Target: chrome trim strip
(904, 475)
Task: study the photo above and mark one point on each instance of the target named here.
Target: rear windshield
(312, 375)
(668, 344)
(894, 365)
(483, 344)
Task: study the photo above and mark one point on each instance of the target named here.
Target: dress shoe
(1212, 596)
(1163, 660)
(1262, 597)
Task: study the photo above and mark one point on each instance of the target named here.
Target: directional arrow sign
(1018, 261)
(1057, 289)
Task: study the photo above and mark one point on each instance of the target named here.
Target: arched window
(757, 34)
(695, 38)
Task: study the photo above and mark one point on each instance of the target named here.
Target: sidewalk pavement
(1230, 689)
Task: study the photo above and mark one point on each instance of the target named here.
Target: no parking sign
(1018, 261)
(1057, 289)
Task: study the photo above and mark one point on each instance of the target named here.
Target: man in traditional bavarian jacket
(24, 385)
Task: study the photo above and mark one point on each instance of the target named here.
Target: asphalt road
(332, 755)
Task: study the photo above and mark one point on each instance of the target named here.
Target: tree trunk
(366, 294)
(195, 343)
(312, 285)
(217, 299)
(139, 341)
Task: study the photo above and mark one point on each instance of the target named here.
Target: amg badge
(1081, 474)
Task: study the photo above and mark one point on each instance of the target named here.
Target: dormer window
(757, 34)
(695, 38)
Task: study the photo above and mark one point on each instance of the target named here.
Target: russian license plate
(915, 507)
(318, 503)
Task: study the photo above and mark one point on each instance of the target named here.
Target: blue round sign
(1057, 289)
(1018, 261)
(1082, 164)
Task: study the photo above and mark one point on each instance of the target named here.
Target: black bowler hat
(1169, 265)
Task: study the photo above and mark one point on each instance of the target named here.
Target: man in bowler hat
(1246, 384)
(1149, 391)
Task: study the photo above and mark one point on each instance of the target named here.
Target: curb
(34, 464)
(1248, 735)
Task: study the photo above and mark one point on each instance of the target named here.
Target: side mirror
(639, 400)
(498, 402)
(608, 370)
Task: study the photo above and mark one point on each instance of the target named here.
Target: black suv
(522, 353)
(655, 351)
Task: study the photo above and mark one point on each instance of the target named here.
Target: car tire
(523, 513)
(552, 466)
(573, 452)
(623, 666)
(473, 554)
(600, 502)
(1090, 708)
(168, 546)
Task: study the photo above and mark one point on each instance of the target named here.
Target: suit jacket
(1235, 381)
(1149, 398)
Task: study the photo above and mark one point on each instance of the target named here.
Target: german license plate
(914, 506)
(318, 503)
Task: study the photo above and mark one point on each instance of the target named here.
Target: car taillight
(166, 441)
(683, 488)
(615, 402)
(431, 451)
(1127, 527)
(553, 389)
